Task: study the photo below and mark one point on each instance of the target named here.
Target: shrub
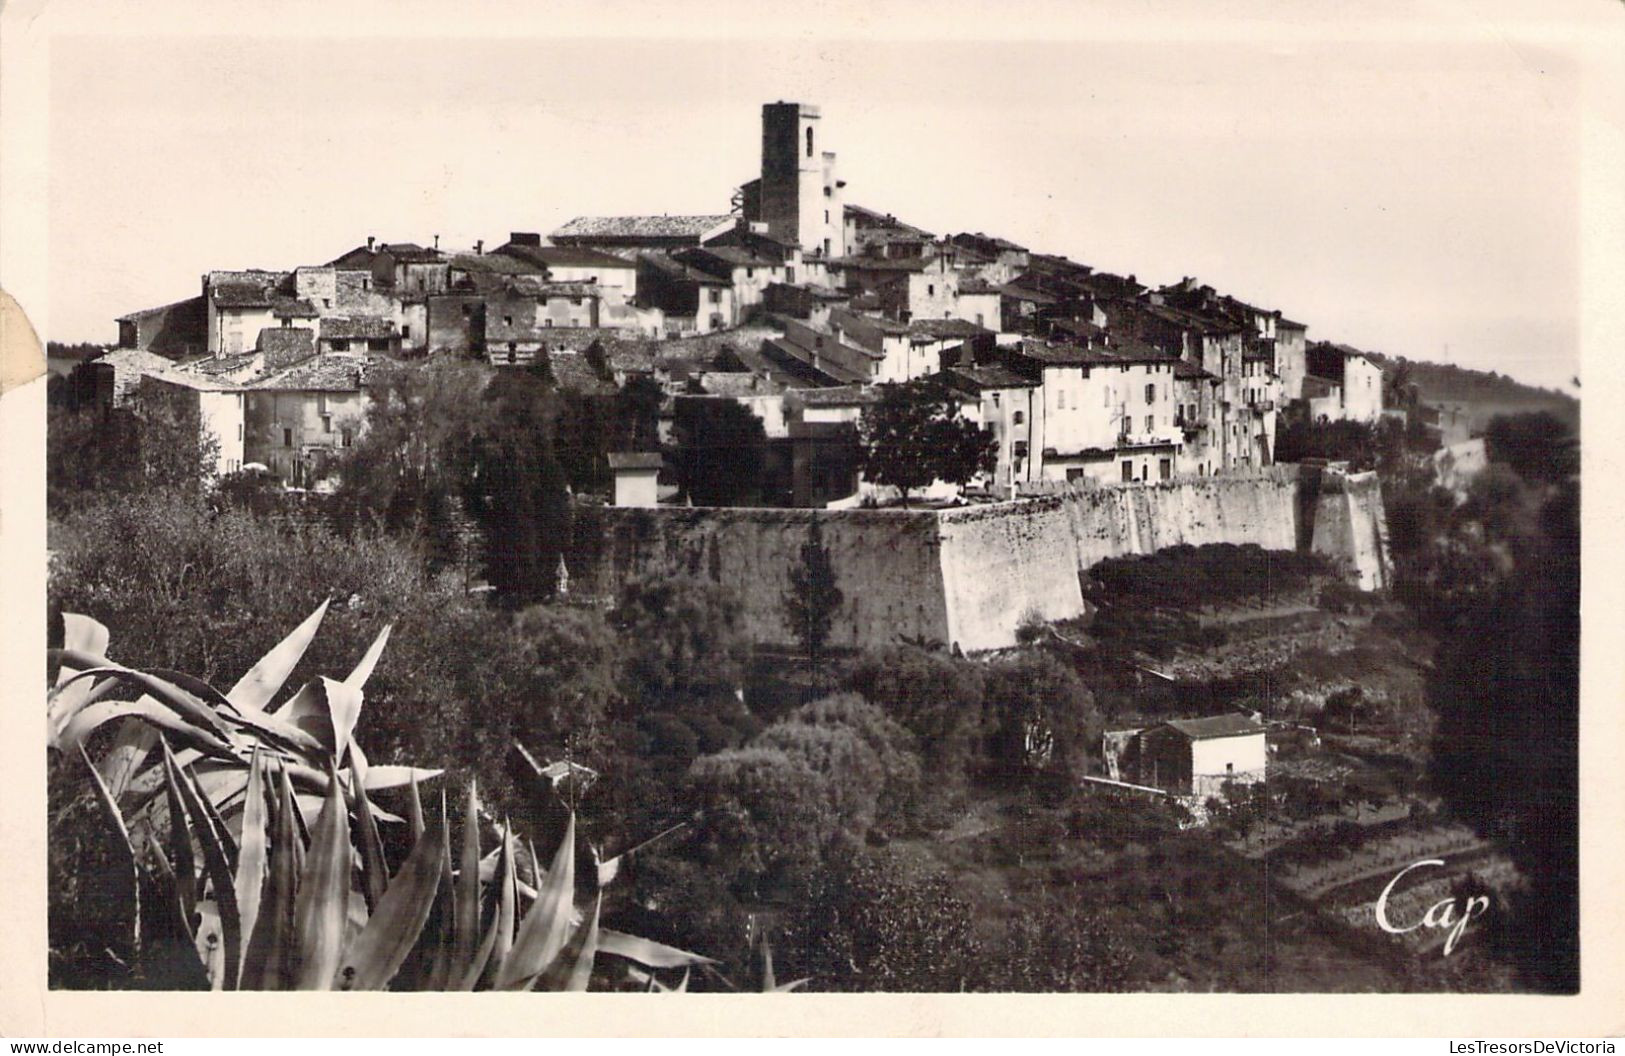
(1040, 716)
(934, 697)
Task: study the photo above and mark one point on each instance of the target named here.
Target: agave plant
(257, 846)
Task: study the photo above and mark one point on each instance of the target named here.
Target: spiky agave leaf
(253, 853)
(581, 970)
(217, 865)
(92, 717)
(268, 962)
(178, 700)
(322, 906)
(398, 917)
(180, 844)
(109, 805)
(374, 871)
(499, 936)
(256, 688)
(357, 678)
(466, 906)
(546, 927)
(647, 952)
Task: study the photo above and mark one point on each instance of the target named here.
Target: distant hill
(1486, 393)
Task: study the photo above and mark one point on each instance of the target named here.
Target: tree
(1506, 689)
(517, 490)
(148, 445)
(934, 697)
(721, 451)
(683, 636)
(915, 436)
(764, 818)
(813, 598)
(1537, 445)
(408, 471)
(894, 748)
(1040, 716)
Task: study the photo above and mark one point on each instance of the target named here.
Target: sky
(1415, 193)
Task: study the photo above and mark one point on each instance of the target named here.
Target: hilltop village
(794, 303)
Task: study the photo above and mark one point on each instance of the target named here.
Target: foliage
(409, 468)
(914, 436)
(184, 588)
(893, 747)
(721, 452)
(682, 636)
(1216, 574)
(1058, 943)
(934, 697)
(765, 816)
(1383, 445)
(1506, 690)
(1538, 445)
(866, 926)
(813, 598)
(243, 841)
(1040, 716)
(517, 491)
(125, 450)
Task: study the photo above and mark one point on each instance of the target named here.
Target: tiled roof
(566, 257)
(1216, 726)
(844, 317)
(643, 226)
(212, 365)
(1289, 324)
(977, 286)
(838, 396)
(880, 263)
(1079, 356)
(1000, 245)
(1016, 291)
(242, 295)
(1186, 370)
(739, 257)
(143, 312)
(293, 308)
(991, 376)
(323, 373)
(1315, 386)
(871, 219)
(493, 263)
(676, 269)
(943, 329)
(356, 326)
(286, 342)
(822, 375)
(137, 359)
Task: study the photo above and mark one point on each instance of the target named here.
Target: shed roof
(1216, 726)
(635, 460)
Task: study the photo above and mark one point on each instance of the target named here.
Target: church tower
(801, 199)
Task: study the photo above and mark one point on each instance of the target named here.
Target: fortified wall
(967, 576)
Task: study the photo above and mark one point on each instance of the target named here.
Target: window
(1019, 449)
(378, 344)
(507, 320)
(1060, 399)
(790, 275)
(287, 438)
(1151, 393)
(1018, 418)
(1126, 425)
(978, 318)
(345, 437)
(1074, 474)
(809, 141)
(547, 323)
(406, 331)
(826, 216)
(995, 399)
(1165, 468)
(341, 344)
(327, 423)
(750, 273)
(239, 430)
(716, 295)
(576, 301)
(1128, 471)
(930, 289)
(327, 302)
(1150, 422)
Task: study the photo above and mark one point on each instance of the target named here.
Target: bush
(765, 817)
(934, 697)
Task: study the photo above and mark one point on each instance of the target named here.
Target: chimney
(524, 238)
(479, 246)
(437, 241)
(370, 239)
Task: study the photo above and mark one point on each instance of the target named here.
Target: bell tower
(801, 200)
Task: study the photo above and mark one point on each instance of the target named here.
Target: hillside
(1486, 392)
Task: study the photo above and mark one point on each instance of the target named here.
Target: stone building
(1197, 757)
